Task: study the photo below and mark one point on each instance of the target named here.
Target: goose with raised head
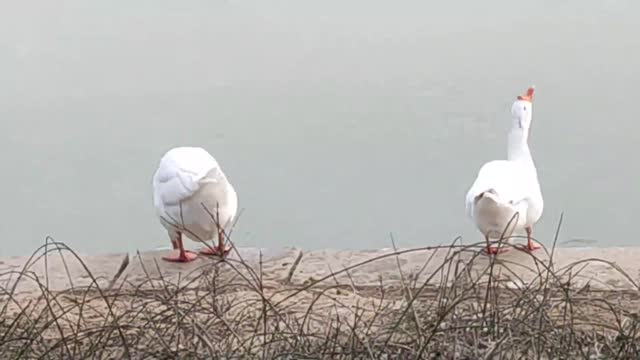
(193, 197)
(506, 195)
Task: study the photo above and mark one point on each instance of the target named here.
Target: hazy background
(337, 121)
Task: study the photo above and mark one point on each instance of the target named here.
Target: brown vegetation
(231, 309)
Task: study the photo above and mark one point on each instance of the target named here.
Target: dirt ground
(450, 302)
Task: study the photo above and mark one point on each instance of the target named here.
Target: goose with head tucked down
(506, 195)
(187, 181)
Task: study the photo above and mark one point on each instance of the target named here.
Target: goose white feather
(187, 181)
(506, 196)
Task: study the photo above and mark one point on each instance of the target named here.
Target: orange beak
(529, 95)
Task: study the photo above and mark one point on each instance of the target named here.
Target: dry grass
(229, 309)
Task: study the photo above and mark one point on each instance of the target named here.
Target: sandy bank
(271, 303)
(602, 268)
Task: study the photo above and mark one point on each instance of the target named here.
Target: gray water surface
(339, 122)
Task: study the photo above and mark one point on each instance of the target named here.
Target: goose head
(522, 110)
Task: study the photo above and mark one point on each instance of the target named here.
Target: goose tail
(494, 217)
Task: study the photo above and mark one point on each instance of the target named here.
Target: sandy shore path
(290, 303)
(601, 268)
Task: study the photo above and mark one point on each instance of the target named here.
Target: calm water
(338, 123)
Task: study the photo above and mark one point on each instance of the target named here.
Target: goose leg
(531, 246)
(222, 249)
(183, 255)
(219, 250)
(493, 250)
(174, 235)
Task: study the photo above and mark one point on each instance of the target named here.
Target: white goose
(505, 188)
(187, 180)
